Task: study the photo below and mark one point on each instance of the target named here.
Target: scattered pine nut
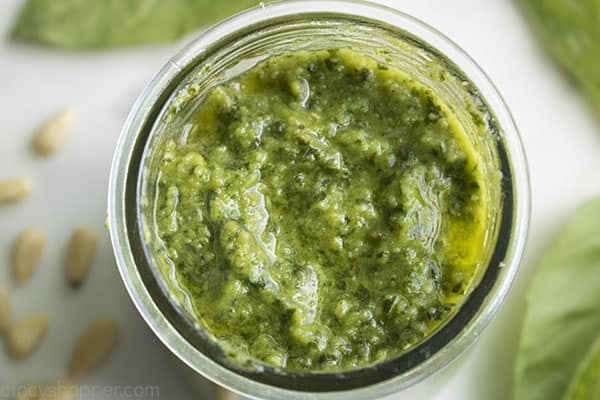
(15, 189)
(28, 392)
(4, 309)
(27, 253)
(81, 254)
(224, 394)
(53, 133)
(24, 335)
(57, 390)
(95, 344)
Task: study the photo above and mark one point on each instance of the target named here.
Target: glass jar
(233, 46)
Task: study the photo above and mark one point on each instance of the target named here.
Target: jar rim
(504, 262)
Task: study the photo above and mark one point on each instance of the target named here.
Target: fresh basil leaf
(570, 29)
(98, 24)
(586, 384)
(563, 310)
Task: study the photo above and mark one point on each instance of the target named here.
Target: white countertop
(561, 136)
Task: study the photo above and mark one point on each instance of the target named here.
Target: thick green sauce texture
(324, 212)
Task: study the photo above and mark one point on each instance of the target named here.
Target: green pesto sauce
(324, 212)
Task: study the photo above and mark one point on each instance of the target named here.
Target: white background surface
(561, 136)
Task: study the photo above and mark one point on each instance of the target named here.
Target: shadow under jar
(355, 32)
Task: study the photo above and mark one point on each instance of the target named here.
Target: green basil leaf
(98, 24)
(570, 29)
(563, 310)
(586, 384)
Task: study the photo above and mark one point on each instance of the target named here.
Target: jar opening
(240, 50)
